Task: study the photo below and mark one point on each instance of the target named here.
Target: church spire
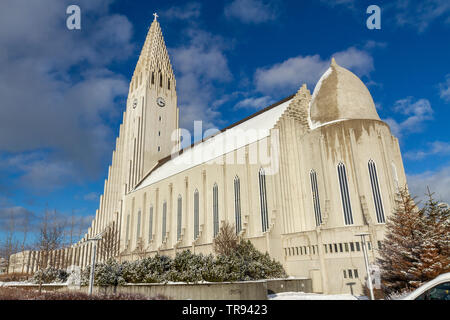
(154, 58)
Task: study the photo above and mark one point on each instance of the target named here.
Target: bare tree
(50, 238)
(226, 240)
(10, 245)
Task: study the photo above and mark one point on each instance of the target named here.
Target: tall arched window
(263, 200)
(127, 235)
(215, 209)
(315, 197)
(164, 221)
(196, 214)
(138, 226)
(237, 204)
(179, 216)
(150, 225)
(376, 192)
(345, 196)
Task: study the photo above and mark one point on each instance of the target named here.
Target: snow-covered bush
(244, 263)
(49, 275)
(186, 267)
(105, 274)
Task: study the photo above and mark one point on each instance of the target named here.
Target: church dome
(340, 95)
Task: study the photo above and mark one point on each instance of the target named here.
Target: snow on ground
(312, 296)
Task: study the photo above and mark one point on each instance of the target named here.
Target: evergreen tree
(400, 251)
(435, 233)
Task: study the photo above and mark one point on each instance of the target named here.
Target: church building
(299, 179)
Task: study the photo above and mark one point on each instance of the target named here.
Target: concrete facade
(316, 171)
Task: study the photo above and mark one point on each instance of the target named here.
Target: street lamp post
(95, 239)
(366, 262)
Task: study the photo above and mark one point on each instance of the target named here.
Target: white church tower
(151, 116)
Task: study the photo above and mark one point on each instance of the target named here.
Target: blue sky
(63, 92)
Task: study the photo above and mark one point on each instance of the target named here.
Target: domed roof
(340, 95)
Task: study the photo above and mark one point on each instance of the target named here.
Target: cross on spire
(155, 15)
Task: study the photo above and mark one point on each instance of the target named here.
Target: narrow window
(150, 225)
(164, 221)
(263, 200)
(346, 247)
(369, 245)
(331, 248)
(160, 80)
(376, 192)
(215, 209)
(297, 250)
(153, 78)
(355, 273)
(127, 238)
(350, 274)
(379, 245)
(326, 249)
(345, 197)
(315, 197)
(345, 274)
(168, 84)
(159, 148)
(237, 204)
(335, 248)
(357, 246)
(352, 247)
(340, 247)
(196, 214)
(179, 216)
(138, 231)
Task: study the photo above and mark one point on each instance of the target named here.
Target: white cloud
(254, 103)
(251, 11)
(445, 88)
(420, 14)
(93, 196)
(290, 74)
(438, 181)
(200, 65)
(416, 114)
(47, 102)
(189, 11)
(437, 148)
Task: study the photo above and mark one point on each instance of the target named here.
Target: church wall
(354, 142)
(202, 178)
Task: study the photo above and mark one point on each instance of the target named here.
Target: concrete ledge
(242, 290)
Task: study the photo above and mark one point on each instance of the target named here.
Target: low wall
(245, 290)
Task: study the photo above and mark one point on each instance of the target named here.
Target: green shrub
(242, 264)
(49, 275)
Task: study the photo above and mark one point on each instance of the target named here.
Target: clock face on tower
(160, 102)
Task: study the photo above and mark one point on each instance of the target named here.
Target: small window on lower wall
(352, 247)
(355, 273)
(350, 273)
(357, 246)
